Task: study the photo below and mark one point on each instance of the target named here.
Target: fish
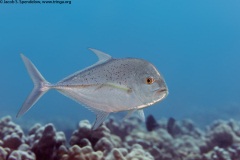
(108, 86)
(171, 125)
(151, 123)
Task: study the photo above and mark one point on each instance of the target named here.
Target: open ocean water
(194, 44)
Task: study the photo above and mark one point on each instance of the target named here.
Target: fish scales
(115, 71)
(101, 79)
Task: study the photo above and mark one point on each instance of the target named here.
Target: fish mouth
(159, 95)
(163, 92)
(160, 90)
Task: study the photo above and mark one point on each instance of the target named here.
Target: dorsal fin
(102, 57)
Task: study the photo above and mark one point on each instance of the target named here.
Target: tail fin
(41, 86)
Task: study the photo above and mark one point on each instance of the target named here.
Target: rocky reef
(130, 139)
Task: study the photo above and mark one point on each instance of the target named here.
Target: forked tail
(41, 86)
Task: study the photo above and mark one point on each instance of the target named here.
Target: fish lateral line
(66, 86)
(98, 86)
(121, 87)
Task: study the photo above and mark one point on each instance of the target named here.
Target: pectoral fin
(141, 114)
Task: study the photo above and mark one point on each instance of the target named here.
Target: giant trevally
(110, 85)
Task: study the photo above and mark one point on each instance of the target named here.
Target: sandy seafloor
(127, 139)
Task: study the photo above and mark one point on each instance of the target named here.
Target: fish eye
(149, 80)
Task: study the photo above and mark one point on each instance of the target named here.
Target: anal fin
(140, 114)
(130, 112)
(100, 117)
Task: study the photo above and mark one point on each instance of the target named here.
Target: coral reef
(130, 139)
(13, 143)
(44, 141)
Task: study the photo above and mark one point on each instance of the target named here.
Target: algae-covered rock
(3, 153)
(21, 155)
(222, 134)
(45, 141)
(11, 134)
(82, 153)
(84, 131)
(127, 140)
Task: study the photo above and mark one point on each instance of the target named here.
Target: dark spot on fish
(129, 90)
(151, 123)
(171, 125)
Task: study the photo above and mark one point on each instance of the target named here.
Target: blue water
(194, 44)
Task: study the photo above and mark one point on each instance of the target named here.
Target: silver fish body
(110, 85)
